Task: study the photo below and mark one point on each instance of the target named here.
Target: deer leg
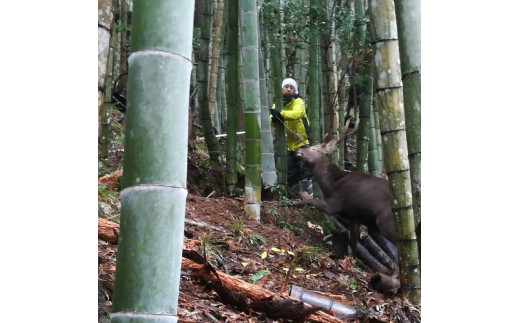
(354, 235)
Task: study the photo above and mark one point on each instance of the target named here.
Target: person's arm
(297, 111)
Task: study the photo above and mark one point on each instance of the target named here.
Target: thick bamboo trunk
(251, 90)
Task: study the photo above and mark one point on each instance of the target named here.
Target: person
(294, 118)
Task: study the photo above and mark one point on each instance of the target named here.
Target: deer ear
(330, 147)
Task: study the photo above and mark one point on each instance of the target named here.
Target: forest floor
(274, 254)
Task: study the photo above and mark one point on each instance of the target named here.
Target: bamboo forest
(259, 161)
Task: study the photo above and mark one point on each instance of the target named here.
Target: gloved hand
(277, 116)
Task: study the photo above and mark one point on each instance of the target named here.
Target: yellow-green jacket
(295, 119)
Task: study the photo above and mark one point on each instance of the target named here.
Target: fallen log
(108, 230)
(203, 225)
(255, 293)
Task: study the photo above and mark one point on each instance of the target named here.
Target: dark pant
(296, 170)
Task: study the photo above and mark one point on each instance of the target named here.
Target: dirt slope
(235, 245)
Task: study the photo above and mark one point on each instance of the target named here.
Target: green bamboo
(269, 176)
(328, 87)
(218, 103)
(374, 160)
(276, 78)
(104, 137)
(300, 70)
(221, 93)
(363, 131)
(232, 95)
(390, 93)
(205, 117)
(408, 14)
(153, 196)
(215, 55)
(253, 181)
(314, 89)
(223, 61)
(339, 81)
(314, 108)
(123, 64)
(105, 21)
(342, 102)
(364, 87)
(379, 141)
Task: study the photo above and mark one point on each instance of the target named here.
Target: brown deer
(355, 196)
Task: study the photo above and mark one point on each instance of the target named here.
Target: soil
(282, 239)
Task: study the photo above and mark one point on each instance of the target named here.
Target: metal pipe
(340, 310)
